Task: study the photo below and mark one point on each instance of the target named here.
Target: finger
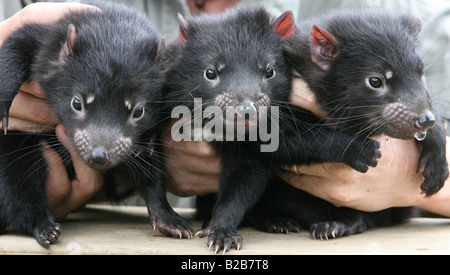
(58, 183)
(192, 148)
(307, 183)
(322, 170)
(87, 182)
(43, 13)
(30, 113)
(204, 165)
(318, 187)
(302, 96)
(31, 86)
(193, 164)
(87, 177)
(189, 184)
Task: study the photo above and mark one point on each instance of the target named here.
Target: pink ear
(284, 26)
(182, 38)
(324, 48)
(416, 25)
(67, 50)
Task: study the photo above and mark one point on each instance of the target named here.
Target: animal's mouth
(395, 130)
(242, 113)
(402, 123)
(99, 166)
(238, 122)
(396, 133)
(241, 119)
(101, 154)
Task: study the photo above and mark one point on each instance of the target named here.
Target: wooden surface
(126, 230)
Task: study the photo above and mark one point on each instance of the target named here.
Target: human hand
(302, 96)
(42, 13)
(192, 167)
(394, 182)
(64, 194)
(29, 112)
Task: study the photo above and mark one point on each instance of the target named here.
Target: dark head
(369, 72)
(234, 59)
(105, 92)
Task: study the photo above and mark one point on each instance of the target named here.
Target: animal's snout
(100, 157)
(404, 122)
(102, 148)
(248, 107)
(426, 121)
(250, 104)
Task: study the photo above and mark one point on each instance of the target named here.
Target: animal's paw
(48, 233)
(326, 230)
(434, 168)
(280, 226)
(221, 239)
(361, 157)
(173, 225)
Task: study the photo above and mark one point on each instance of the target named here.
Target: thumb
(87, 181)
(303, 97)
(58, 184)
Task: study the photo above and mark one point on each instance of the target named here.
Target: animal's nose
(426, 121)
(248, 107)
(100, 157)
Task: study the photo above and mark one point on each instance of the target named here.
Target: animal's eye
(138, 113)
(270, 72)
(375, 82)
(210, 74)
(77, 104)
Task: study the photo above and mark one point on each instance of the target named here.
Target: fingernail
(294, 169)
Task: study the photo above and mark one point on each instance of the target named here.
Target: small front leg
(23, 202)
(362, 154)
(221, 239)
(163, 217)
(240, 188)
(170, 223)
(319, 145)
(16, 56)
(46, 231)
(150, 185)
(433, 163)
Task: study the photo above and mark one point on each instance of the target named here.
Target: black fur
(239, 46)
(101, 76)
(368, 43)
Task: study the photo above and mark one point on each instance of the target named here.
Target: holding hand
(193, 168)
(64, 194)
(30, 113)
(393, 183)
